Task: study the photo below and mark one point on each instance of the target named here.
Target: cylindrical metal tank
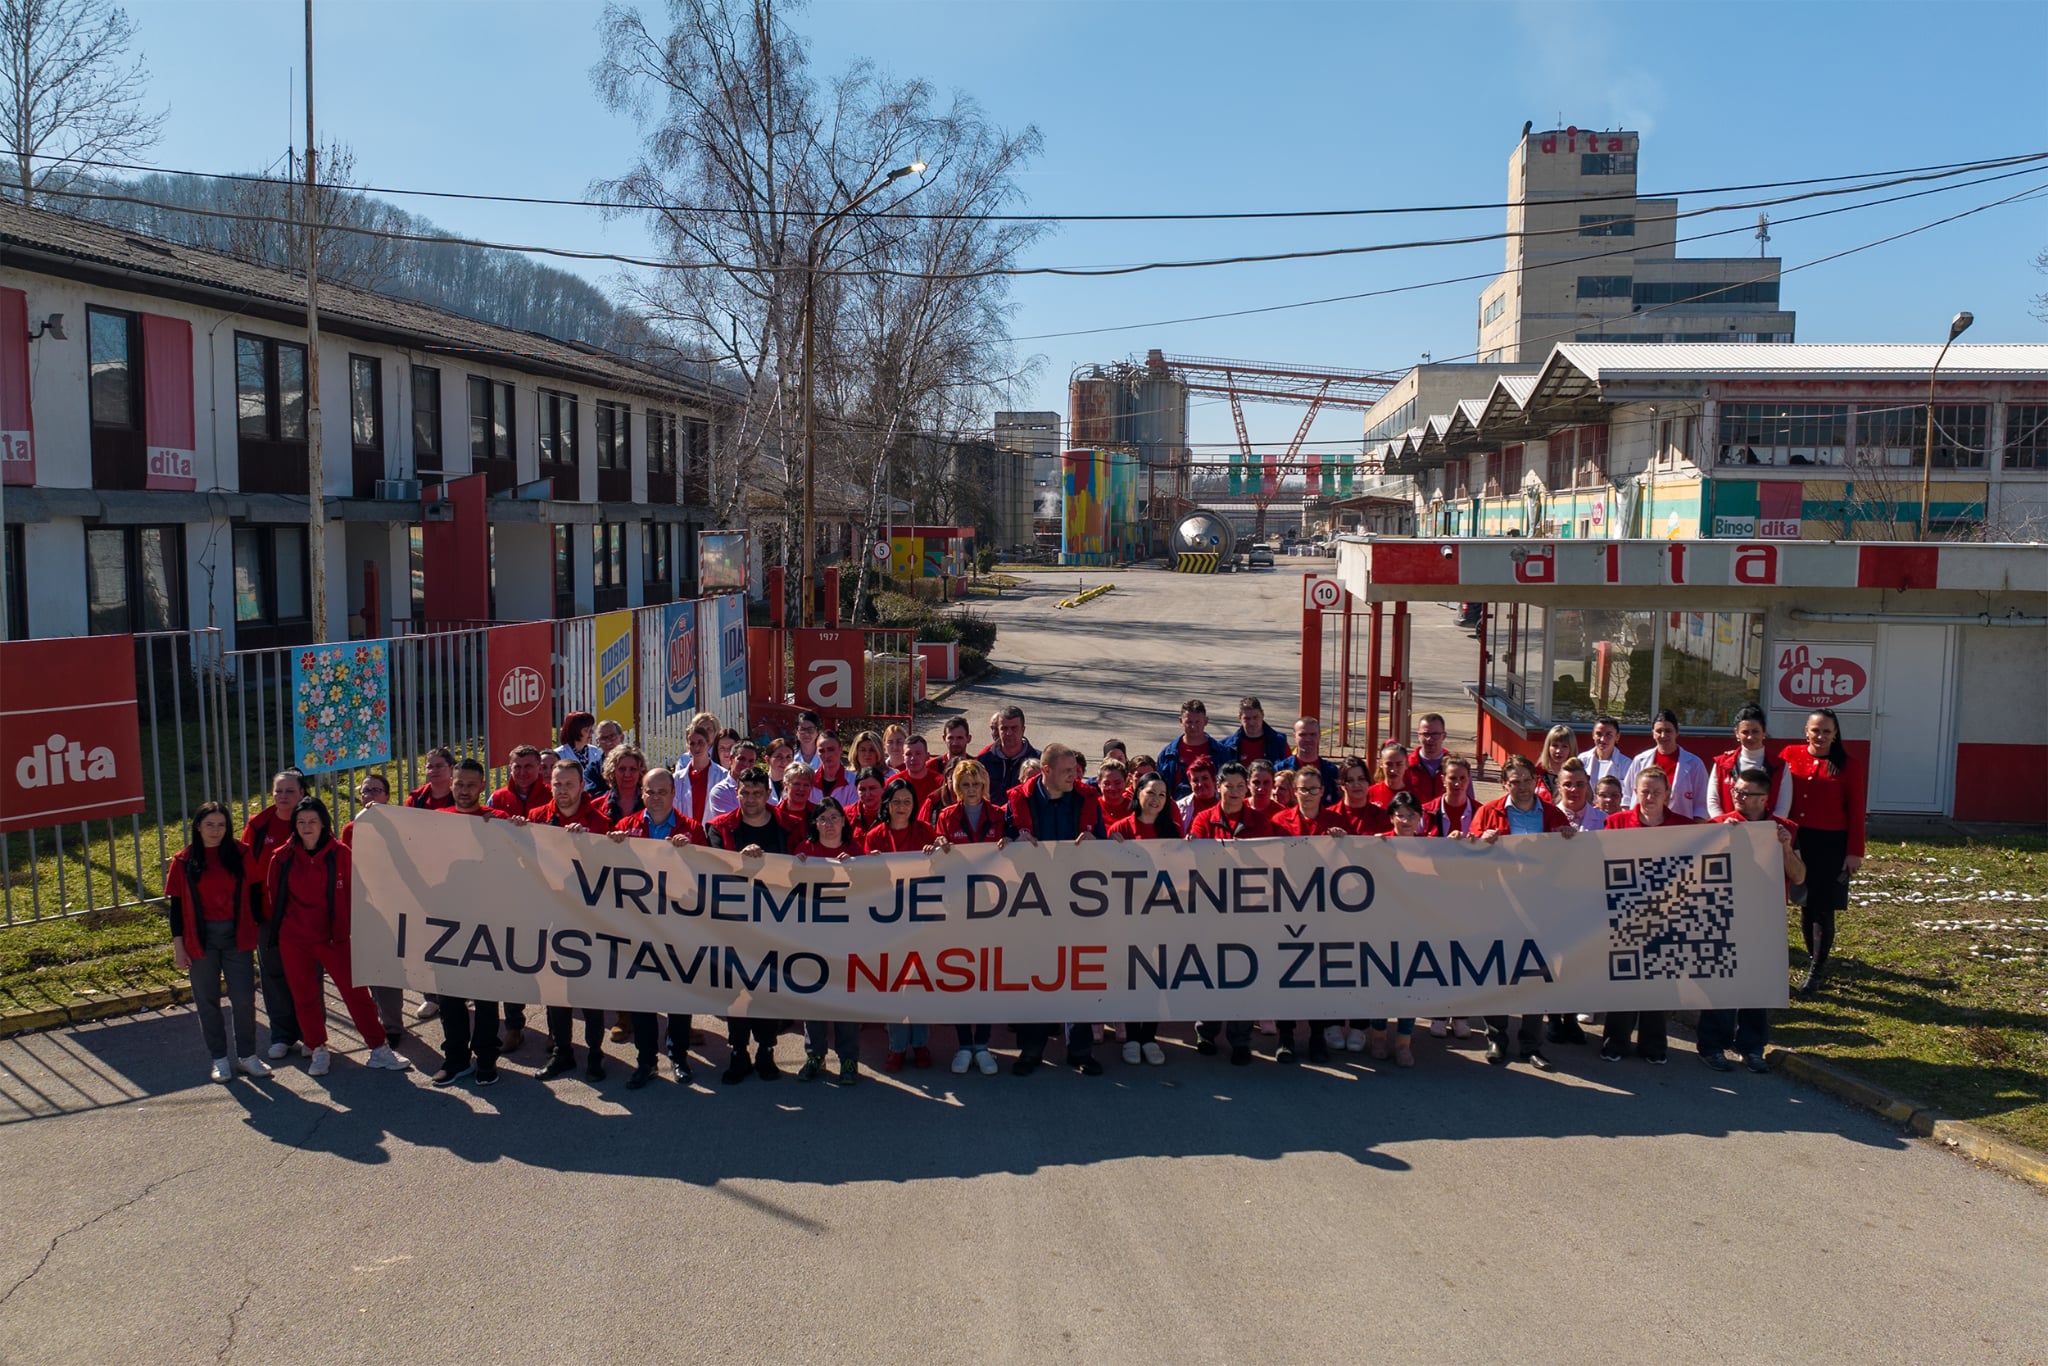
(1091, 411)
(1203, 530)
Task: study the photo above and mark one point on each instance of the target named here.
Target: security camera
(1447, 551)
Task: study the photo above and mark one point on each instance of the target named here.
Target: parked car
(1261, 557)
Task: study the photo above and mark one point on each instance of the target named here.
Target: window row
(1629, 665)
(1607, 225)
(1893, 434)
(1734, 293)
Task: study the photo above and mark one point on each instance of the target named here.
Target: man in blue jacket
(1253, 739)
(1178, 755)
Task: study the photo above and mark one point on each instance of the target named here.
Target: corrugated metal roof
(1473, 409)
(1519, 387)
(79, 239)
(1603, 361)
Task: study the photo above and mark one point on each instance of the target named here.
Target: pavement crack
(234, 1323)
(51, 1249)
(305, 1138)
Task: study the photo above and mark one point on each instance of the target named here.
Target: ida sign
(1821, 674)
(70, 744)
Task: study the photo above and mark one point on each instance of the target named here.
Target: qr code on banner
(1670, 917)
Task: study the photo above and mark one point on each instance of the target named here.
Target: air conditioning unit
(399, 490)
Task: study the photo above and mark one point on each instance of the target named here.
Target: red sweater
(1132, 829)
(215, 894)
(635, 825)
(1212, 824)
(299, 889)
(952, 825)
(912, 839)
(506, 801)
(1494, 816)
(850, 846)
(1292, 823)
(423, 797)
(1363, 820)
(589, 814)
(1631, 818)
(1821, 801)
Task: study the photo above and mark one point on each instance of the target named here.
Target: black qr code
(1670, 917)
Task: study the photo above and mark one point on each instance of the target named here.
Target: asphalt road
(1191, 1213)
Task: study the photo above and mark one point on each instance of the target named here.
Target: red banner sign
(521, 665)
(830, 673)
(70, 746)
(167, 429)
(17, 427)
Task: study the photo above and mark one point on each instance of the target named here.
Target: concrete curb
(98, 1008)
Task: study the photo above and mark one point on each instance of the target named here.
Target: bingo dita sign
(70, 746)
(1820, 673)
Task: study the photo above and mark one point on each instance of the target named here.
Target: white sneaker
(1155, 1055)
(280, 1051)
(1354, 1041)
(223, 1069)
(322, 1060)
(986, 1061)
(254, 1066)
(1438, 1028)
(389, 1061)
(427, 1009)
(1133, 1054)
(1333, 1038)
(1460, 1029)
(963, 1060)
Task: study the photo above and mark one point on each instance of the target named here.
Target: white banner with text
(1330, 928)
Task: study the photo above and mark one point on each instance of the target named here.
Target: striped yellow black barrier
(1088, 596)
(1196, 562)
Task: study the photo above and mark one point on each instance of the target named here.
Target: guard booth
(1934, 656)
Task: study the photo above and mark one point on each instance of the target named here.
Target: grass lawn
(1938, 988)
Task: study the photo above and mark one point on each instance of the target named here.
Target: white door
(1910, 731)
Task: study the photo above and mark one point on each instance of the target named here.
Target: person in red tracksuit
(526, 789)
(1308, 817)
(901, 832)
(469, 1027)
(308, 889)
(1449, 815)
(658, 819)
(1652, 811)
(1113, 789)
(1522, 812)
(1353, 803)
(868, 785)
(437, 792)
(1426, 765)
(918, 770)
(574, 809)
(268, 831)
(1748, 1029)
(753, 829)
(212, 905)
(1232, 818)
(971, 819)
(1823, 793)
(1153, 817)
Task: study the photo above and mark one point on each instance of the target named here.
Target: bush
(976, 631)
(938, 629)
(985, 560)
(973, 662)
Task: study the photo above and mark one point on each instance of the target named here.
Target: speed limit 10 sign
(1321, 594)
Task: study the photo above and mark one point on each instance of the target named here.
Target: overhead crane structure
(1314, 387)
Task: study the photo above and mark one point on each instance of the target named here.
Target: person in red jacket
(1451, 814)
(624, 767)
(831, 836)
(1751, 751)
(1522, 812)
(752, 830)
(436, 793)
(1426, 765)
(268, 831)
(971, 819)
(1355, 806)
(866, 811)
(658, 819)
(1823, 793)
(1232, 818)
(1748, 1030)
(213, 936)
(526, 790)
(899, 831)
(373, 790)
(572, 809)
(1404, 813)
(918, 770)
(1652, 810)
(1390, 775)
(1153, 817)
(1054, 807)
(1305, 819)
(1113, 789)
(309, 890)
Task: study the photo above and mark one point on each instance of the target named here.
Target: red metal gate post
(1375, 615)
(1311, 659)
(1401, 687)
(1344, 675)
(1479, 699)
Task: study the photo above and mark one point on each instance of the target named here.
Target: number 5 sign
(1319, 594)
(830, 675)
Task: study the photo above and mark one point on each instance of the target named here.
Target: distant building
(1588, 261)
(1036, 436)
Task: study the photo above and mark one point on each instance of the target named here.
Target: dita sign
(70, 742)
(1821, 674)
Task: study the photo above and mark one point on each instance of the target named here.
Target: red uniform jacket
(635, 825)
(1494, 816)
(851, 846)
(1631, 818)
(1326, 822)
(1821, 801)
(1247, 824)
(1437, 821)
(590, 815)
(952, 825)
(423, 797)
(912, 839)
(923, 787)
(1131, 828)
(1721, 773)
(216, 894)
(1426, 786)
(309, 891)
(506, 801)
(1363, 820)
(1022, 796)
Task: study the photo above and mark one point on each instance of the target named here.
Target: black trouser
(739, 1030)
(1747, 1031)
(972, 1037)
(464, 1036)
(1646, 1025)
(1237, 1032)
(1032, 1039)
(1824, 852)
(678, 1036)
(561, 1030)
(277, 994)
(647, 1037)
(1529, 1037)
(1146, 1031)
(513, 1014)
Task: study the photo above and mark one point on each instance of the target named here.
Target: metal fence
(1361, 642)
(217, 724)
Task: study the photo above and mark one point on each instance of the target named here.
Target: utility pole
(316, 473)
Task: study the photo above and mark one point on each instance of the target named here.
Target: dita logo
(521, 690)
(57, 761)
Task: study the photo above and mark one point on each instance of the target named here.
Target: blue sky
(1185, 107)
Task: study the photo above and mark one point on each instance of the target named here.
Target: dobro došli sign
(1821, 674)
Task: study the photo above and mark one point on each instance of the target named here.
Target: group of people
(273, 907)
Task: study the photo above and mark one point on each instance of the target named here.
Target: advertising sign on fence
(830, 672)
(732, 646)
(722, 561)
(518, 660)
(70, 745)
(1684, 918)
(341, 705)
(615, 699)
(679, 659)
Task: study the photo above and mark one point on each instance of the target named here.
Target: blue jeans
(904, 1037)
(1406, 1028)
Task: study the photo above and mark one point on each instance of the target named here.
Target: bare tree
(2041, 299)
(272, 234)
(72, 96)
(748, 165)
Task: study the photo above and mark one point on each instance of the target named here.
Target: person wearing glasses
(1748, 1030)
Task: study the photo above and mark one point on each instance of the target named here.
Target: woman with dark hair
(899, 831)
(1749, 753)
(868, 785)
(575, 744)
(213, 935)
(1823, 794)
(1652, 810)
(829, 834)
(1153, 817)
(1404, 813)
(308, 889)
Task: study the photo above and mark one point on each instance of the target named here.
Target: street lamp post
(1956, 328)
(809, 589)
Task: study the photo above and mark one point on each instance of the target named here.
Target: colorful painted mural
(1099, 507)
